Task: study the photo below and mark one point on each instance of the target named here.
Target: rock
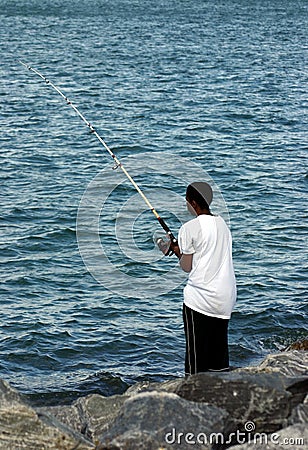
(161, 420)
(294, 437)
(299, 414)
(291, 363)
(97, 412)
(21, 428)
(88, 415)
(147, 386)
(9, 395)
(262, 398)
(176, 414)
(299, 345)
(68, 415)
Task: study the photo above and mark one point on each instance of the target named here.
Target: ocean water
(179, 90)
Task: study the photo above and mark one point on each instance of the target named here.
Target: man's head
(199, 196)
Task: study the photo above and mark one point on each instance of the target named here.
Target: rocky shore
(257, 407)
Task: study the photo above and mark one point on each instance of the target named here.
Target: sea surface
(179, 90)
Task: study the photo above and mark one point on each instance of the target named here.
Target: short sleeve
(185, 241)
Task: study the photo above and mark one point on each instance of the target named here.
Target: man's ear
(191, 207)
(194, 204)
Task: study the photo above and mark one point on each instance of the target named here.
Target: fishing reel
(164, 243)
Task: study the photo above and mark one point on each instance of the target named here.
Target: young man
(205, 251)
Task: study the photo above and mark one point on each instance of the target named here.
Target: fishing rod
(118, 163)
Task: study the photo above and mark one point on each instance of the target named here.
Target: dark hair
(193, 192)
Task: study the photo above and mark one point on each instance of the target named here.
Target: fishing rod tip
(24, 64)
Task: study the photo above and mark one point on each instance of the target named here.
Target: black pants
(206, 342)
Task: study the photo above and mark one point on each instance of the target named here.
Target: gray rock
(97, 412)
(147, 386)
(262, 398)
(88, 415)
(21, 428)
(161, 420)
(290, 363)
(52, 421)
(8, 395)
(299, 413)
(68, 415)
(291, 438)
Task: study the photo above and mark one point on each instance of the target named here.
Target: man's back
(211, 287)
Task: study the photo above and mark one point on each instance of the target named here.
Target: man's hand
(168, 247)
(164, 246)
(174, 246)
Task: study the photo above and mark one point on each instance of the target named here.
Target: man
(205, 251)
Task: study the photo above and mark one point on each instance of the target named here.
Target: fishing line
(111, 153)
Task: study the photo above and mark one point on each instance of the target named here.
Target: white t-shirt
(211, 286)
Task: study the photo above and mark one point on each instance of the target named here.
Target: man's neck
(206, 212)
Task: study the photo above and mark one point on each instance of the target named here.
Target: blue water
(174, 88)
